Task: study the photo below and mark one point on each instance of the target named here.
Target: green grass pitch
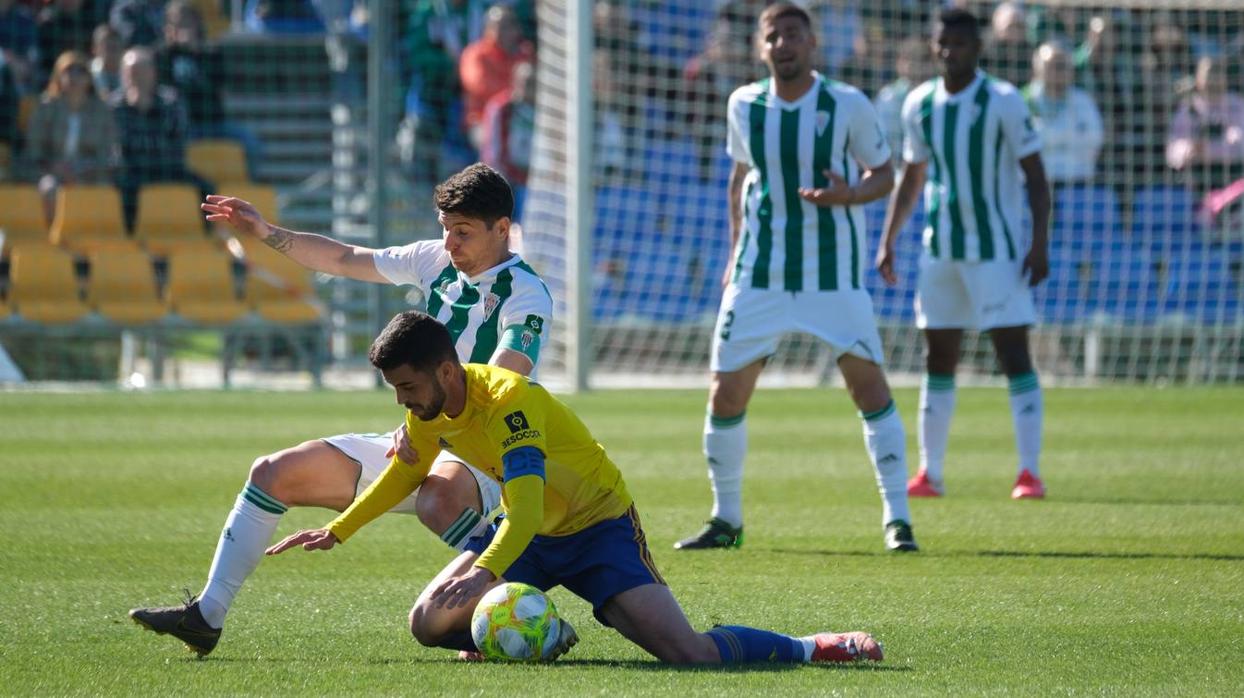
(1128, 579)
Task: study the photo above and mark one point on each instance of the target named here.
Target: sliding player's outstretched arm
(316, 252)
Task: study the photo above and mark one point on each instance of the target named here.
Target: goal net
(1140, 105)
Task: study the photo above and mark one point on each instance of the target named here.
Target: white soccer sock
(246, 534)
(725, 444)
(937, 406)
(887, 448)
(1027, 413)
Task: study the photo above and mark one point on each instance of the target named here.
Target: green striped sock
(263, 500)
(460, 530)
(1023, 383)
(879, 414)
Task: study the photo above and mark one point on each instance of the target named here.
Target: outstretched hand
(239, 214)
(309, 539)
(836, 191)
(401, 447)
(459, 592)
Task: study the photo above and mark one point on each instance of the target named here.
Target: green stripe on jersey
(486, 335)
(855, 238)
(976, 169)
(435, 297)
(997, 195)
(950, 128)
(461, 314)
(826, 226)
(788, 152)
(742, 244)
(764, 209)
(935, 184)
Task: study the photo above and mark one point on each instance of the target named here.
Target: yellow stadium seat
(169, 219)
(4, 310)
(280, 289)
(218, 160)
(21, 215)
(214, 21)
(25, 110)
(200, 287)
(43, 287)
(88, 218)
(122, 287)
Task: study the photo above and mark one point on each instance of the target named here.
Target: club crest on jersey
(516, 421)
(822, 121)
(526, 339)
(443, 289)
(491, 301)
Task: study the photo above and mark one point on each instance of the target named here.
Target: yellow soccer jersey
(578, 486)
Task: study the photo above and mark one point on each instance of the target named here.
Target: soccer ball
(517, 622)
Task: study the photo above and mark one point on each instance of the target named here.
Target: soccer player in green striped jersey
(807, 153)
(968, 139)
(496, 309)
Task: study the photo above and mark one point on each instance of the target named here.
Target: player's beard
(434, 408)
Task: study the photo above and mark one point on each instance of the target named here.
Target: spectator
(17, 40)
(439, 30)
(62, 26)
(106, 62)
(1206, 140)
(1065, 115)
(196, 70)
(914, 65)
(509, 127)
(727, 61)
(868, 66)
(487, 66)
(1008, 53)
(138, 22)
(10, 97)
(73, 138)
(283, 17)
(152, 127)
(839, 29)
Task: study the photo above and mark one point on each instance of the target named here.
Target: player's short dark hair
(412, 338)
(958, 19)
(778, 10)
(476, 192)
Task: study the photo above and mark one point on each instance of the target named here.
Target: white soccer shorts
(368, 450)
(954, 294)
(752, 321)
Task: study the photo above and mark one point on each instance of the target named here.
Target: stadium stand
(201, 288)
(44, 287)
(217, 160)
(23, 215)
(169, 219)
(88, 218)
(122, 287)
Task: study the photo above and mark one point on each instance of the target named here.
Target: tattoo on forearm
(280, 240)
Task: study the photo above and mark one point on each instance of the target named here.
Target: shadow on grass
(1071, 555)
(635, 664)
(1218, 557)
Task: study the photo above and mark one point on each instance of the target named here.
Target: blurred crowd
(1121, 96)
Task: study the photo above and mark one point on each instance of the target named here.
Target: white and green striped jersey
(788, 243)
(506, 306)
(973, 196)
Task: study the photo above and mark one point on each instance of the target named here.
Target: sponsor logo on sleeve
(520, 430)
(535, 322)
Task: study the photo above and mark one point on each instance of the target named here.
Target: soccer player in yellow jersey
(569, 519)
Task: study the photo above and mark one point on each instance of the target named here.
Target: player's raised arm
(317, 252)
